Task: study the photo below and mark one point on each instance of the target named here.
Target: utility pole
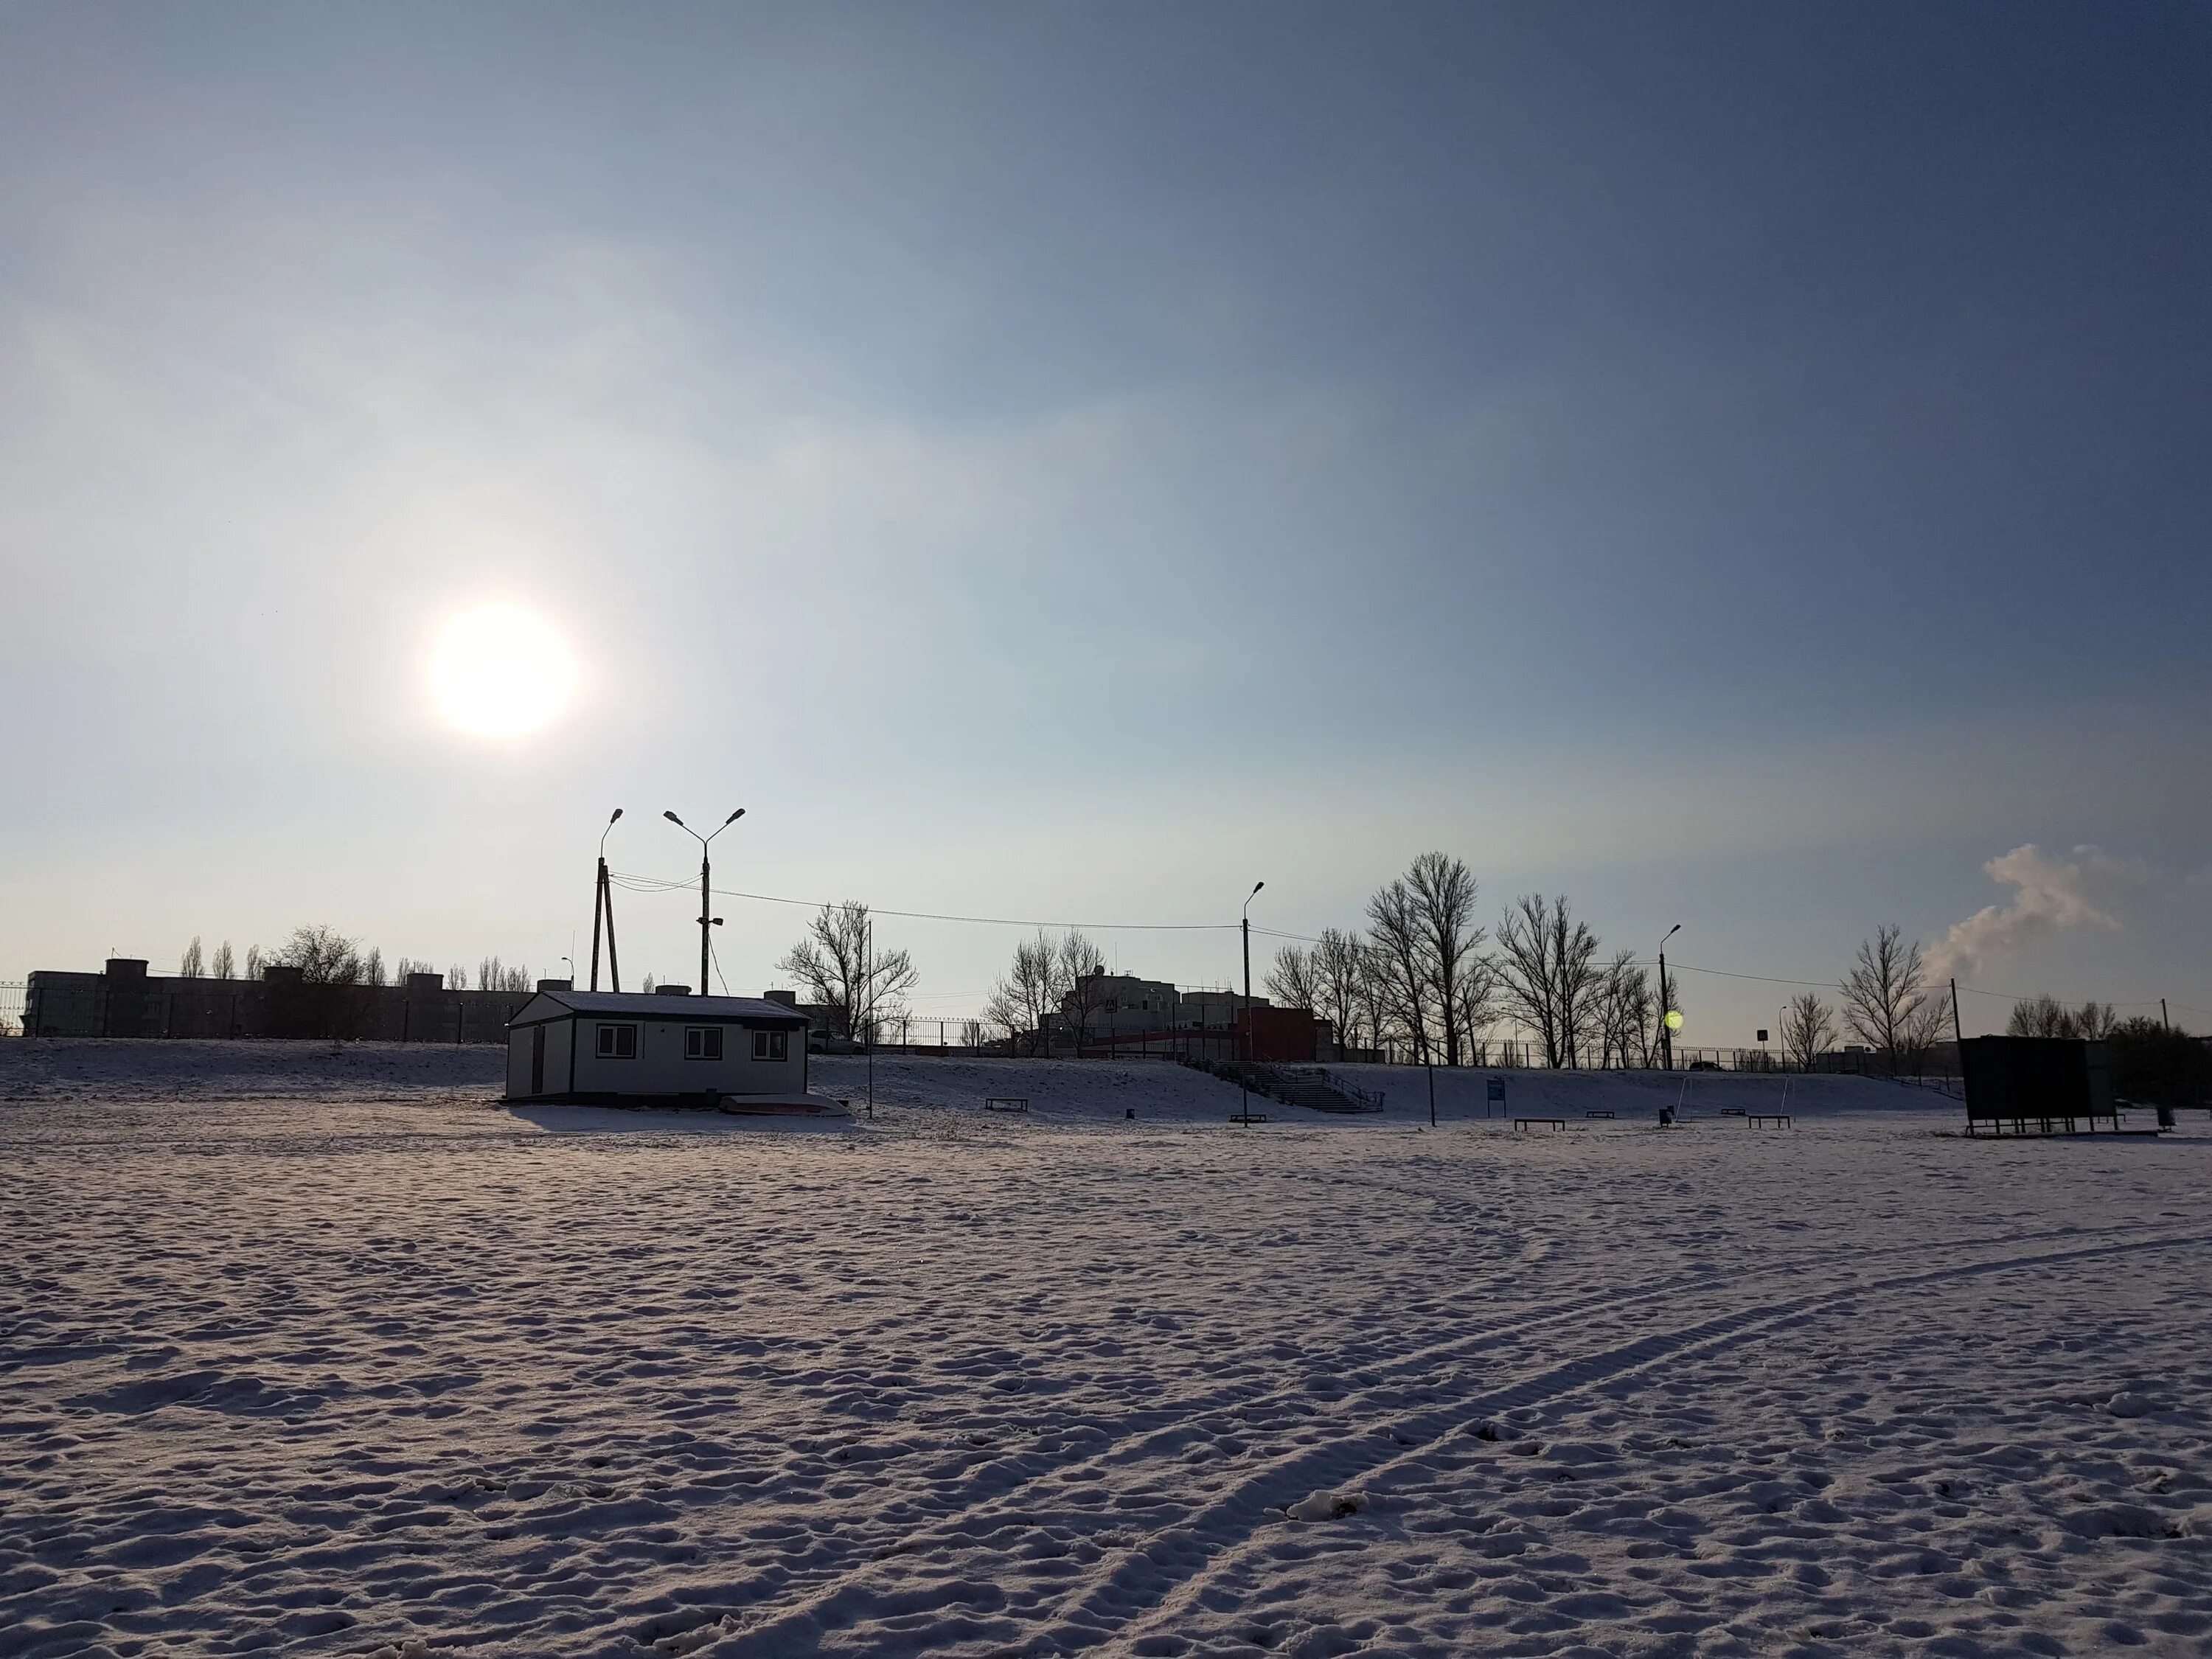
(1244, 1076)
(707, 916)
(2163, 1019)
(1666, 1005)
(603, 903)
(1957, 1032)
(614, 960)
(868, 990)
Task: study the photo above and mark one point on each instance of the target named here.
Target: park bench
(1768, 1120)
(1005, 1103)
(1523, 1122)
(1732, 1111)
(1597, 1111)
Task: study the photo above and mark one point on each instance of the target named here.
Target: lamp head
(1256, 886)
(677, 822)
(618, 814)
(735, 816)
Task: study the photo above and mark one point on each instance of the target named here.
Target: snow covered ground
(327, 1353)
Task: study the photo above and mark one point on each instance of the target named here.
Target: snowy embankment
(1065, 1091)
(80, 1068)
(1057, 1091)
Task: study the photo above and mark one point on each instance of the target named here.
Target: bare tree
(457, 978)
(1079, 982)
(2039, 1016)
(1379, 1024)
(885, 978)
(1444, 893)
(322, 955)
(1551, 980)
(2047, 1016)
(253, 962)
(1886, 1004)
(372, 966)
(1024, 994)
(1808, 1030)
(192, 966)
(1477, 1001)
(1399, 966)
(835, 965)
(1335, 965)
(330, 1002)
(493, 975)
(1622, 1013)
(1292, 980)
(2095, 1021)
(222, 966)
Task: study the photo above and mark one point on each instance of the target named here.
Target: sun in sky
(499, 670)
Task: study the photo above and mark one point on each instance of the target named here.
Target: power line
(638, 884)
(657, 884)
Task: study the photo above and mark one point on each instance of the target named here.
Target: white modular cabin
(627, 1049)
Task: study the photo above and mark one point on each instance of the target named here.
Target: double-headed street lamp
(708, 918)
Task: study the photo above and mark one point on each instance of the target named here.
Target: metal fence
(11, 1008)
(1940, 1065)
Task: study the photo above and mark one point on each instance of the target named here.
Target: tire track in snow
(1155, 1578)
(843, 1597)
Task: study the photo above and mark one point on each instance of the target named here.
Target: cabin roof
(641, 1004)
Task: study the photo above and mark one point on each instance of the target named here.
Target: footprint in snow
(1325, 1506)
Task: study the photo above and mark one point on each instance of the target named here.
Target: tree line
(1419, 977)
(324, 956)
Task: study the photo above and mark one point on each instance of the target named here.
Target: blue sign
(1497, 1091)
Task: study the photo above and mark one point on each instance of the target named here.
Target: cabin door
(537, 1060)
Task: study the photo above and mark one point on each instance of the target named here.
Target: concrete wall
(126, 1001)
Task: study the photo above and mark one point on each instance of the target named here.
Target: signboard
(1497, 1091)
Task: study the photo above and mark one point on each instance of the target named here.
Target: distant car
(1704, 1066)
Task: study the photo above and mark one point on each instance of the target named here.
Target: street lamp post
(1243, 1078)
(1666, 1005)
(707, 917)
(603, 903)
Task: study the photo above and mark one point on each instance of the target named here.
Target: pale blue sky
(1741, 466)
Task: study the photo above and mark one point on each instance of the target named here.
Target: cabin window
(702, 1043)
(771, 1045)
(618, 1042)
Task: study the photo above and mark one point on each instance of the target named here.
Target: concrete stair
(1312, 1087)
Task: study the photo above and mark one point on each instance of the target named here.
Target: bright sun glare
(499, 672)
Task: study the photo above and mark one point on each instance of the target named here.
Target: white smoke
(2050, 893)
